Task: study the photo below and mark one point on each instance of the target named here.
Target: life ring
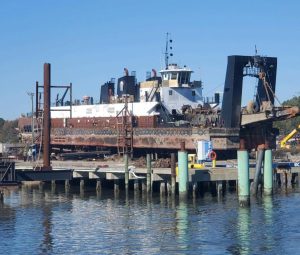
(212, 155)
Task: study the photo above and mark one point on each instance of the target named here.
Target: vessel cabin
(174, 76)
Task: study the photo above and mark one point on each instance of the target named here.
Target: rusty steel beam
(47, 117)
(37, 100)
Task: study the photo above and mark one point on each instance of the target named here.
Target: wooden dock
(115, 171)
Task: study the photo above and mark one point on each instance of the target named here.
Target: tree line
(8, 131)
(286, 126)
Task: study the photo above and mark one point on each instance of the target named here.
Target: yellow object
(214, 163)
(288, 137)
(192, 166)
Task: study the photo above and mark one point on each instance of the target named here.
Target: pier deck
(115, 170)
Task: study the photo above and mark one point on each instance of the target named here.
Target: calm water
(45, 221)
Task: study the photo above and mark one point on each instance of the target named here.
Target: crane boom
(289, 136)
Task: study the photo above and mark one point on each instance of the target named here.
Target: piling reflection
(182, 224)
(269, 235)
(243, 231)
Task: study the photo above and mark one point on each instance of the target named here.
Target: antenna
(167, 54)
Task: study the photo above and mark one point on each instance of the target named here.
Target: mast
(167, 54)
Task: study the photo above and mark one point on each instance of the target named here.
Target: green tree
(287, 126)
(8, 131)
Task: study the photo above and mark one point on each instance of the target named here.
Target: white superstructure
(104, 110)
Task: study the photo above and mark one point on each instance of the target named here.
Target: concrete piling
(116, 186)
(136, 185)
(219, 188)
(1, 196)
(183, 171)
(173, 173)
(289, 180)
(195, 189)
(126, 171)
(243, 178)
(268, 173)
(149, 183)
(67, 184)
(98, 185)
(81, 184)
(169, 188)
(162, 188)
(144, 186)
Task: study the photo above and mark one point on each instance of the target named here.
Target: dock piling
(257, 177)
(67, 184)
(136, 185)
(173, 173)
(162, 188)
(116, 186)
(98, 185)
(195, 189)
(126, 171)
(219, 188)
(243, 178)
(81, 184)
(268, 173)
(148, 158)
(183, 171)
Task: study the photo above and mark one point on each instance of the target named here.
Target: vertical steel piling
(243, 178)
(126, 171)
(148, 157)
(268, 173)
(47, 117)
(183, 171)
(173, 173)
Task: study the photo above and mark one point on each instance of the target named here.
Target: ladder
(125, 130)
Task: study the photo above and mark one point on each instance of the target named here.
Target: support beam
(257, 177)
(47, 117)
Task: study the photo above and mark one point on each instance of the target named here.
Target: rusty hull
(155, 138)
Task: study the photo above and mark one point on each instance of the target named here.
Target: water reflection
(269, 232)
(49, 221)
(182, 224)
(243, 230)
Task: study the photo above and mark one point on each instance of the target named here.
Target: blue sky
(88, 42)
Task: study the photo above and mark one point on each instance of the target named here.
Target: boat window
(170, 92)
(173, 76)
(184, 77)
(193, 93)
